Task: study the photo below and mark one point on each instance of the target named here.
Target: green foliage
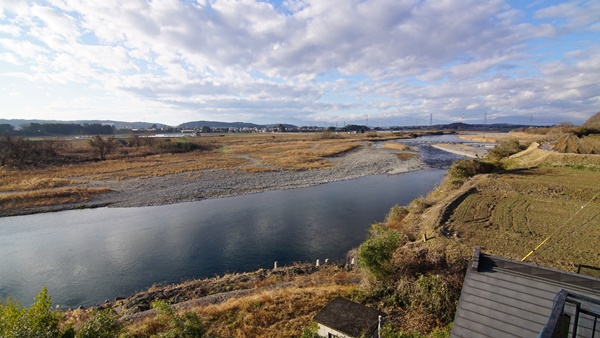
(505, 149)
(431, 293)
(37, 321)
(101, 325)
(310, 331)
(375, 254)
(35, 129)
(470, 167)
(387, 331)
(442, 332)
(185, 325)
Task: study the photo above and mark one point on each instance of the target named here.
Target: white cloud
(304, 58)
(578, 14)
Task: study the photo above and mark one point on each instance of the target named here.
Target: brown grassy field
(62, 183)
(281, 305)
(521, 136)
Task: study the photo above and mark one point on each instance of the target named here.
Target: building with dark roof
(342, 318)
(506, 298)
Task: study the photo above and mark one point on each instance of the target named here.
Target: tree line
(62, 129)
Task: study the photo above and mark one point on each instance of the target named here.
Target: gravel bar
(368, 159)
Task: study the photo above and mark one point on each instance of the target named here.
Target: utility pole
(430, 119)
(485, 118)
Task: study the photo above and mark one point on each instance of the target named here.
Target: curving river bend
(87, 256)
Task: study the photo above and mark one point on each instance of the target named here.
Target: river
(86, 256)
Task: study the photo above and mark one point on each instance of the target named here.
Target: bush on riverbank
(37, 321)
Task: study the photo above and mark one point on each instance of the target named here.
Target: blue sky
(301, 61)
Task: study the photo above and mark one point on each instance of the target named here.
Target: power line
(581, 227)
(558, 229)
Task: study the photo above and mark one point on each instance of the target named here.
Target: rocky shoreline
(368, 159)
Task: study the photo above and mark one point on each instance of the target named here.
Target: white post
(379, 327)
(275, 265)
(317, 262)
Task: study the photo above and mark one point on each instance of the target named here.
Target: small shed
(342, 318)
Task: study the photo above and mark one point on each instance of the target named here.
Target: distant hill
(471, 127)
(217, 124)
(17, 123)
(117, 124)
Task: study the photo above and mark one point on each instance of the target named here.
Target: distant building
(505, 298)
(342, 318)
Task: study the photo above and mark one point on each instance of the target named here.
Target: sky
(305, 62)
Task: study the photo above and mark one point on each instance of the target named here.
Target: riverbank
(364, 160)
(472, 150)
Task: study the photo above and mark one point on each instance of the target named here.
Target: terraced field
(510, 214)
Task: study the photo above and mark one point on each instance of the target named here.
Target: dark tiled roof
(348, 317)
(505, 298)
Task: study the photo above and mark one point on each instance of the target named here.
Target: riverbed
(87, 256)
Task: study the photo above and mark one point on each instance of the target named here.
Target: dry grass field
(499, 137)
(60, 183)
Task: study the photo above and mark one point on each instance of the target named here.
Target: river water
(86, 256)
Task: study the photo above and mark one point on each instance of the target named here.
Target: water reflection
(87, 256)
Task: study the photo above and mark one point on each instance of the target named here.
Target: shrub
(470, 167)
(374, 255)
(396, 215)
(505, 149)
(101, 324)
(102, 147)
(310, 331)
(431, 293)
(419, 205)
(179, 146)
(175, 325)
(442, 332)
(327, 135)
(37, 321)
(387, 331)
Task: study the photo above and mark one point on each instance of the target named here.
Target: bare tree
(102, 147)
(14, 150)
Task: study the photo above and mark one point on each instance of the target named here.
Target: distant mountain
(217, 124)
(117, 124)
(472, 127)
